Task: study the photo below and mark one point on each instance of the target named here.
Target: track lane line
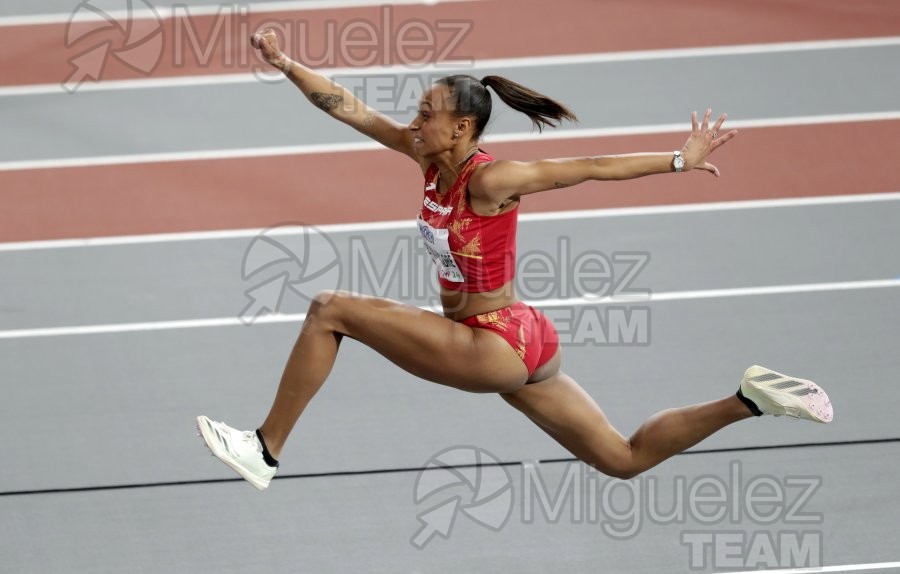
(818, 569)
(376, 471)
(551, 303)
(483, 463)
(410, 224)
(478, 65)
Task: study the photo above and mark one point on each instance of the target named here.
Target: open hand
(269, 47)
(703, 141)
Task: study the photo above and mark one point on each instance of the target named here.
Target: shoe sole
(814, 403)
(212, 445)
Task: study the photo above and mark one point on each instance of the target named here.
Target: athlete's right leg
(570, 415)
(423, 343)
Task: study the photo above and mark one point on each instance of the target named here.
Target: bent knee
(326, 307)
(623, 466)
(620, 471)
(325, 299)
(623, 473)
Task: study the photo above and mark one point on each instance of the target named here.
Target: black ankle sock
(750, 404)
(266, 456)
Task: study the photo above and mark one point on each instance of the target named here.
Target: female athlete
(487, 341)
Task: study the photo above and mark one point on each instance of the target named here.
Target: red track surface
(500, 29)
(383, 185)
(258, 192)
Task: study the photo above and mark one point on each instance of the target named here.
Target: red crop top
(473, 253)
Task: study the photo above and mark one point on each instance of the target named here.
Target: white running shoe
(777, 394)
(241, 450)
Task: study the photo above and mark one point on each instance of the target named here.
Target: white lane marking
(731, 292)
(335, 228)
(298, 317)
(367, 145)
(818, 569)
(448, 67)
(145, 158)
(206, 10)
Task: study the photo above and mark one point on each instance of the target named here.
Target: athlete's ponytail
(471, 98)
(539, 108)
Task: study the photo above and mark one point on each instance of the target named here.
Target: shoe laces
(250, 438)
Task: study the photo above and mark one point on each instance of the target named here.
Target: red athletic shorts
(526, 329)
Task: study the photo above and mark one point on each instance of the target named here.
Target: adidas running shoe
(776, 394)
(241, 450)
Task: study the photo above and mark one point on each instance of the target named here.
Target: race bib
(437, 242)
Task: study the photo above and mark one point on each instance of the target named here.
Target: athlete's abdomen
(459, 305)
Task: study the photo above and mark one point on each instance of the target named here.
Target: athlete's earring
(455, 135)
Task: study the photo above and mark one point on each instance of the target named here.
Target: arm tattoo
(326, 102)
(369, 121)
(560, 184)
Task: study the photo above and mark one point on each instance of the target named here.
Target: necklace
(469, 154)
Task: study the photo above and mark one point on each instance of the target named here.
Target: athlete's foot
(766, 392)
(244, 451)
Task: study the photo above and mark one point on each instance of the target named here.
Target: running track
(89, 181)
(213, 194)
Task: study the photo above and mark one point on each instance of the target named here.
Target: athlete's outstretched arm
(503, 180)
(334, 99)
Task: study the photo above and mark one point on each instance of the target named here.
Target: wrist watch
(678, 162)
